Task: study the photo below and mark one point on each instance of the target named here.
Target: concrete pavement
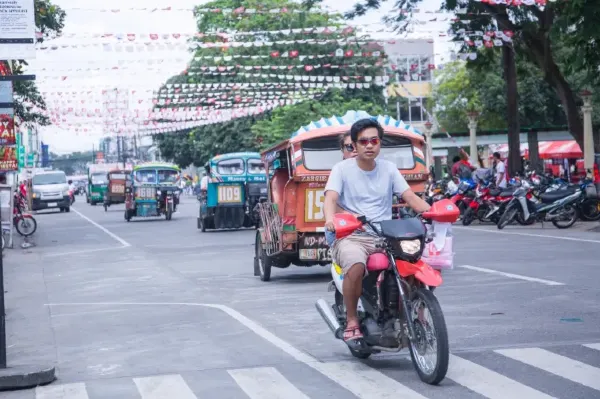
(157, 309)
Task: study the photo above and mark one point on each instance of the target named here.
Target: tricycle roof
(232, 155)
(156, 165)
(337, 125)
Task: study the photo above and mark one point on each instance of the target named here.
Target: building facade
(411, 65)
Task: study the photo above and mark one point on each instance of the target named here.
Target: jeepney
(292, 218)
(236, 183)
(153, 190)
(115, 192)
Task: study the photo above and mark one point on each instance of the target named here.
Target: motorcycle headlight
(410, 247)
(158, 192)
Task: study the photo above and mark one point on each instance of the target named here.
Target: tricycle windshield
(256, 167)
(230, 167)
(168, 176)
(146, 176)
(118, 176)
(323, 152)
(99, 178)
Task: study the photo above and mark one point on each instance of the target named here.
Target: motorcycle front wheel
(468, 217)
(507, 217)
(429, 350)
(26, 226)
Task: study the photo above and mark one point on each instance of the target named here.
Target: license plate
(52, 203)
(319, 254)
(308, 254)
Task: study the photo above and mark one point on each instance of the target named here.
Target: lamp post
(428, 145)
(588, 135)
(473, 135)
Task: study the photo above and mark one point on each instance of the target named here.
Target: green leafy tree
(49, 20)
(461, 89)
(330, 53)
(286, 120)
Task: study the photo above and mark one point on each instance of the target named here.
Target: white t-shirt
(204, 183)
(367, 193)
(501, 168)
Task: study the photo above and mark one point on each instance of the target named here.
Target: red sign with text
(7, 130)
(8, 159)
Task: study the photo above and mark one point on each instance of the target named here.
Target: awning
(560, 150)
(548, 149)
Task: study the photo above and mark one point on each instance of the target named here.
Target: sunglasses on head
(365, 142)
(349, 147)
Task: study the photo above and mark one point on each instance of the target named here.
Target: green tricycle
(233, 185)
(152, 191)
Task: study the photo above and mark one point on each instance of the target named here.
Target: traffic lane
(581, 231)
(481, 310)
(570, 261)
(180, 233)
(67, 232)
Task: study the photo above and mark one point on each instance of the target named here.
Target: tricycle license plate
(318, 254)
(52, 204)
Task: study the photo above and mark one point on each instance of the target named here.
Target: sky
(140, 70)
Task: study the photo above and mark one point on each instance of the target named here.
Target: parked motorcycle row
(526, 200)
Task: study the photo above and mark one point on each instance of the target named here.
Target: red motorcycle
(464, 196)
(24, 222)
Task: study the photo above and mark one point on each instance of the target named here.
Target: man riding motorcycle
(364, 186)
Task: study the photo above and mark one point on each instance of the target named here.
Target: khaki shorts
(354, 249)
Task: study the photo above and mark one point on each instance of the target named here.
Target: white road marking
(592, 346)
(526, 234)
(511, 275)
(83, 251)
(265, 383)
(113, 235)
(489, 383)
(63, 391)
(164, 387)
(365, 382)
(561, 366)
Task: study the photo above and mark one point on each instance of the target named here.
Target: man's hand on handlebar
(329, 226)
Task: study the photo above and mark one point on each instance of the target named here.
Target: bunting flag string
(242, 11)
(379, 80)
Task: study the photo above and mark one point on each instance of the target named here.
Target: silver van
(50, 190)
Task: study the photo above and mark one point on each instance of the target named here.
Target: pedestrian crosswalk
(467, 377)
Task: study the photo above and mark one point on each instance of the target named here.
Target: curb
(20, 377)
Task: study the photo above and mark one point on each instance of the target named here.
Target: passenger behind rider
(363, 185)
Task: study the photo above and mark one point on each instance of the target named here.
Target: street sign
(17, 30)
(30, 161)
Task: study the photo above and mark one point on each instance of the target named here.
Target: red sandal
(352, 335)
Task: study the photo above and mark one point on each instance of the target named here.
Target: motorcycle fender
(422, 272)
(474, 205)
(524, 207)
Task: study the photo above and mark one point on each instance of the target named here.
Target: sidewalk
(29, 335)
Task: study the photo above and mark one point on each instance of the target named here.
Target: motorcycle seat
(495, 191)
(556, 195)
(507, 192)
(377, 262)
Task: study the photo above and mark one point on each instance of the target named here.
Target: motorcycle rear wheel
(571, 221)
(435, 374)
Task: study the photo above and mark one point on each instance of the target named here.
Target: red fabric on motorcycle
(377, 262)
(443, 211)
(345, 224)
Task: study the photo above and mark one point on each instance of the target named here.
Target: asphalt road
(156, 309)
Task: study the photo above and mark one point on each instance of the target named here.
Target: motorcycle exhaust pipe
(328, 316)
